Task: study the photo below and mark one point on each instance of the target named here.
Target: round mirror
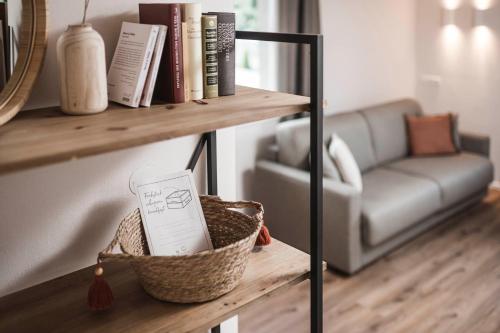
(23, 33)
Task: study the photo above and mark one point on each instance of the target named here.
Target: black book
(225, 52)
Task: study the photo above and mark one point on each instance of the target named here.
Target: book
(171, 214)
(210, 61)
(130, 64)
(149, 86)
(191, 14)
(185, 53)
(225, 52)
(170, 86)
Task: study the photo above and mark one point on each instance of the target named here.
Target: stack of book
(175, 54)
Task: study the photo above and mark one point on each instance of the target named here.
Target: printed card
(172, 215)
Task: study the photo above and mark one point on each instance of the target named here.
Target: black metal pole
(316, 136)
(197, 152)
(316, 197)
(212, 177)
(212, 163)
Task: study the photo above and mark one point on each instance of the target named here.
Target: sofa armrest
(474, 143)
(284, 191)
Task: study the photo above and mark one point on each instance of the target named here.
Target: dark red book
(170, 82)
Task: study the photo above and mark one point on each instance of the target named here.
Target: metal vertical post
(316, 188)
(212, 163)
(212, 177)
(316, 135)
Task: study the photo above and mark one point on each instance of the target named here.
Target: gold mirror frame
(32, 46)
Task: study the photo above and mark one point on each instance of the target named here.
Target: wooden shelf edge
(46, 136)
(60, 304)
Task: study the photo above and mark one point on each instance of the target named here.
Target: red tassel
(264, 237)
(100, 296)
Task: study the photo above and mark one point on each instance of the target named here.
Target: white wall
(55, 219)
(459, 67)
(369, 58)
(369, 51)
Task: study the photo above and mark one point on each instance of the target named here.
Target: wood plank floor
(447, 280)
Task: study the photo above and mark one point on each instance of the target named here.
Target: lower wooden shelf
(60, 305)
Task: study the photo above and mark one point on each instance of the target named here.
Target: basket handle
(107, 252)
(258, 216)
(259, 209)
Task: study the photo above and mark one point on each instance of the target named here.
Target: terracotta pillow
(430, 135)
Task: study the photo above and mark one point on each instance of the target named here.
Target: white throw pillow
(345, 162)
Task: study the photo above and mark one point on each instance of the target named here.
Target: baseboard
(495, 185)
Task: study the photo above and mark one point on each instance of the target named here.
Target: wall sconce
(448, 17)
(483, 4)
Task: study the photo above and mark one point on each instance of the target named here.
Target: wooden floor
(447, 280)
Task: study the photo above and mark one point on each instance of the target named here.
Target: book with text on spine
(226, 52)
(170, 86)
(191, 16)
(210, 61)
(187, 69)
(130, 65)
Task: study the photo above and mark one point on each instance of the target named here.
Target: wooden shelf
(60, 305)
(46, 136)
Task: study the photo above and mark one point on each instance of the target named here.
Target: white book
(130, 65)
(192, 17)
(149, 86)
(171, 214)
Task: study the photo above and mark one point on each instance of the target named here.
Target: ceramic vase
(81, 60)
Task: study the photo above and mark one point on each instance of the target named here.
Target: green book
(210, 60)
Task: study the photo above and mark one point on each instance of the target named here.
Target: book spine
(225, 52)
(177, 60)
(210, 60)
(171, 77)
(192, 17)
(153, 36)
(187, 67)
(149, 87)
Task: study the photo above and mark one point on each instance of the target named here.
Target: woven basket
(192, 278)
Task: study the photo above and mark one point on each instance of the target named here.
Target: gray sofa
(401, 198)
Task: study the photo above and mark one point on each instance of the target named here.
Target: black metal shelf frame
(315, 43)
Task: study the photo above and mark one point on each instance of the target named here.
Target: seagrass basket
(192, 278)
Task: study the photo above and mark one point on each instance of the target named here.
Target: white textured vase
(82, 71)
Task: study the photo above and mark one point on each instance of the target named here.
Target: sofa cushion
(431, 135)
(345, 162)
(329, 168)
(458, 176)
(292, 138)
(388, 128)
(393, 201)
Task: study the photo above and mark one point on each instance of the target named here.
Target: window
(256, 62)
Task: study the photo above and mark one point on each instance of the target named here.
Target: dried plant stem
(85, 11)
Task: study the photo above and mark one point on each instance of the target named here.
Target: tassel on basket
(264, 237)
(100, 296)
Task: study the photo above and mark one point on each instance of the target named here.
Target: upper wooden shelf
(60, 305)
(45, 136)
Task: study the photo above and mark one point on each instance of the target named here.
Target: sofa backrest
(375, 135)
(293, 139)
(388, 128)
